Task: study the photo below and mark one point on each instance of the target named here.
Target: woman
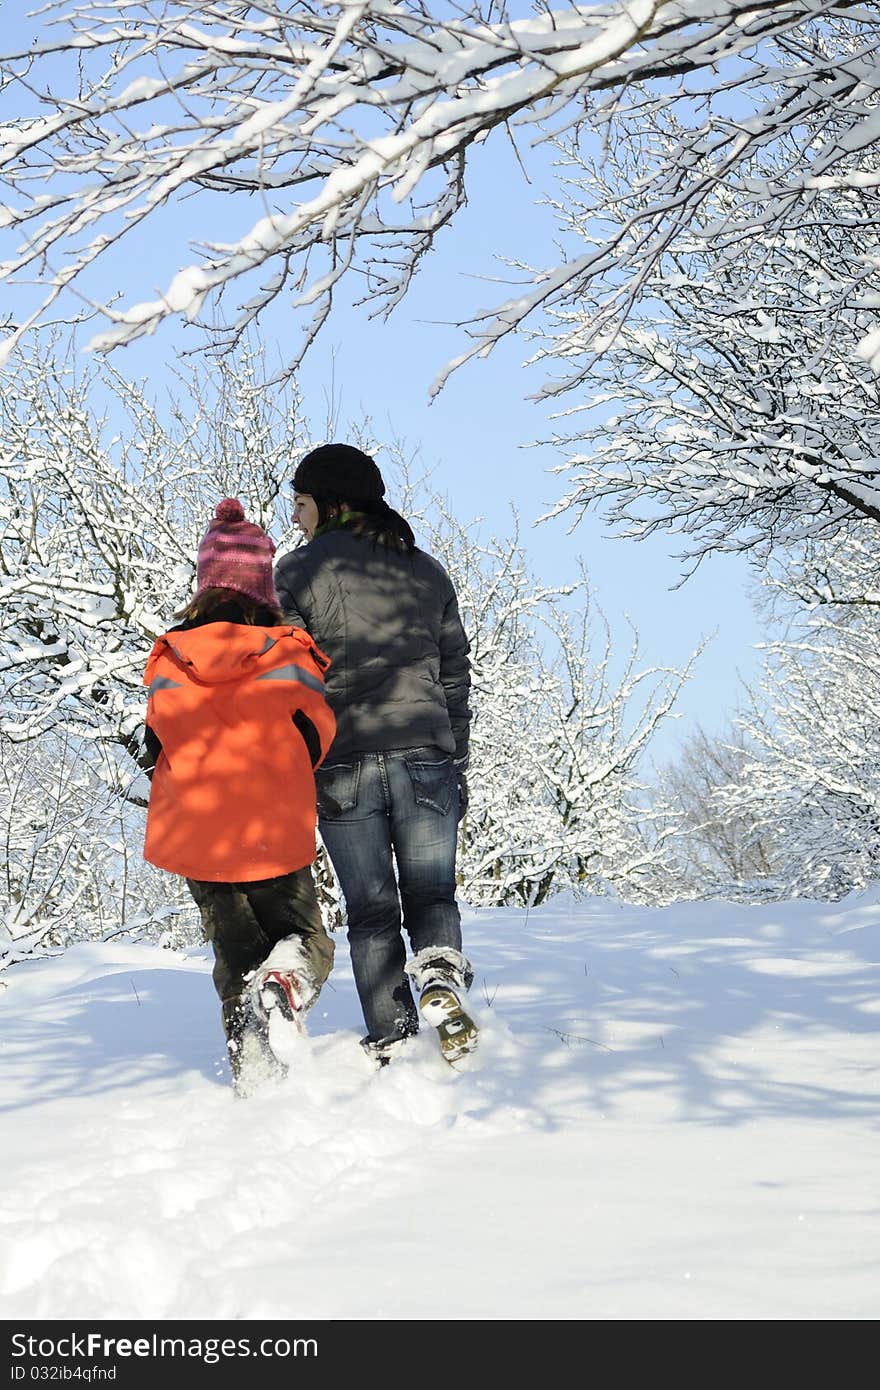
(236, 722)
(392, 789)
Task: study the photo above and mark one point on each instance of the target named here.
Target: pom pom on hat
(230, 509)
(237, 554)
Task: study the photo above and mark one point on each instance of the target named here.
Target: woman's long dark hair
(376, 520)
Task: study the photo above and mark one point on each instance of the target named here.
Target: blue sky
(475, 436)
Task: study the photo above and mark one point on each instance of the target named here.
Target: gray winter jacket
(389, 622)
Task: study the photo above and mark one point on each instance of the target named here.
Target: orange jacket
(233, 793)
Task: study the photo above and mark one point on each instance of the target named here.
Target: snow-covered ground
(673, 1115)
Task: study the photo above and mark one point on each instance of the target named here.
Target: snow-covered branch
(345, 132)
(733, 407)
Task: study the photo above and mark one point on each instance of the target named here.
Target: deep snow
(673, 1115)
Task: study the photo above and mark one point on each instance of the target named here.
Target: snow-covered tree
(787, 803)
(344, 135)
(733, 407)
(814, 782)
(72, 866)
(100, 521)
(721, 847)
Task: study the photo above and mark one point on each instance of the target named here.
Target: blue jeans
(375, 810)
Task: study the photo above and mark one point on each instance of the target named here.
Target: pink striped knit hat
(236, 554)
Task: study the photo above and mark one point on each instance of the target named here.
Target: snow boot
(282, 990)
(284, 985)
(383, 1050)
(251, 1058)
(457, 1032)
(441, 975)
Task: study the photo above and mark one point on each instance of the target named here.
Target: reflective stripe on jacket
(233, 793)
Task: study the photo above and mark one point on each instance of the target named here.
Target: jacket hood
(219, 652)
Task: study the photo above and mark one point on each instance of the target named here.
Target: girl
(236, 723)
(393, 788)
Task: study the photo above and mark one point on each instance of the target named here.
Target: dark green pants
(243, 921)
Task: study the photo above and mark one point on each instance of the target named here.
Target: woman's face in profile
(305, 513)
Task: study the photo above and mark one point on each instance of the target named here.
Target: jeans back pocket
(433, 782)
(337, 789)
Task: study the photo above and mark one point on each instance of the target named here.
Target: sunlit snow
(674, 1114)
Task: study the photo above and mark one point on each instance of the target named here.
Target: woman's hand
(463, 796)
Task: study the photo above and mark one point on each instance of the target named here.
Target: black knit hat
(340, 471)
